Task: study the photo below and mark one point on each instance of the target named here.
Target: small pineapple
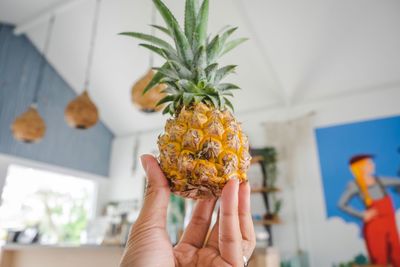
(203, 146)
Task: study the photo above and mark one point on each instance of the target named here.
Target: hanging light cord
(92, 45)
(153, 33)
(43, 61)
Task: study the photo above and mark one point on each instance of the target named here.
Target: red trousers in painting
(381, 234)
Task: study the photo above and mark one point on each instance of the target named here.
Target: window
(58, 205)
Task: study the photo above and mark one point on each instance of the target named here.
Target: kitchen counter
(16, 255)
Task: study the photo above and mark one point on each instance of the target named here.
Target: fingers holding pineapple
(156, 198)
(233, 234)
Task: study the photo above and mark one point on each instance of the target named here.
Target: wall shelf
(268, 222)
(255, 190)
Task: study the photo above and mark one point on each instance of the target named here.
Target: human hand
(231, 238)
(370, 214)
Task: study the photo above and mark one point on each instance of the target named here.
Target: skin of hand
(231, 238)
(370, 214)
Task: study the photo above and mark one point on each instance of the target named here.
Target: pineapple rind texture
(200, 152)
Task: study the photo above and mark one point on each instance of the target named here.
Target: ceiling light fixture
(30, 127)
(148, 102)
(82, 113)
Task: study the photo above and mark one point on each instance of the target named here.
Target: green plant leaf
(183, 47)
(169, 90)
(187, 98)
(181, 69)
(229, 104)
(200, 34)
(156, 80)
(188, 86)
(227, 34)
(200, 58)
(163, 29)
(214, 100)
(227, 93)
(166, 99)
(198, 98)
(168, 17)
(154, 49)
(181, 42)
(213, 49)
(211, 68)
(226, 87)
(166, 110)
(233, 44)
(190, 19)
(221, 101)
(149, 38)
(223, 72)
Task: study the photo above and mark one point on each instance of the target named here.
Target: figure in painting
(379, 231)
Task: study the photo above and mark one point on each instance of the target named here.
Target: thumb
(154, 210)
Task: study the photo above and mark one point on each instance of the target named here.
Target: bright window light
(58, 205)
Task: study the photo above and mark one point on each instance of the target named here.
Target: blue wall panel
(87, 150)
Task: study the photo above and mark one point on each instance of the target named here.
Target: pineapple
(203, 145)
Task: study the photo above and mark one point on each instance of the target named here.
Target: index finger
(230, 238)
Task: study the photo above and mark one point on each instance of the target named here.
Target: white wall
(128, 183)
(326, 241)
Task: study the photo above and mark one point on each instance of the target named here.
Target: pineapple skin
(201, 149)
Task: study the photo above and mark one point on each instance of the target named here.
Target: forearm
(395, 182)
(351, 211)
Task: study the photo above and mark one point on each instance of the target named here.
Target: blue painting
(360, 164)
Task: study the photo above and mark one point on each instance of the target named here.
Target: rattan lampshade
(29, 127)
(147, 102)
(81, 113)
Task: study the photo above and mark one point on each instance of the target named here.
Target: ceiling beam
(45, 14)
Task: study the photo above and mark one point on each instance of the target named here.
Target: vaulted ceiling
(299, 51)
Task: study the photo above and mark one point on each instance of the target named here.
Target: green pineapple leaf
(213, 49)
(229, 104)
(162, 29)
(166, 99)
(156, 79)
(190, 18)
(200, 58)
(227, 87)
(155, 49)
(214, 100)
(182, 71)
(169, 73)
(166, 109)
(187, 98)
(149, 38)
(223, 72)
(200, 34)
(227, 34)
(181, 42)
(233, 44)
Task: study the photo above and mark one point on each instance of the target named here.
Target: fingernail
(144, 162)
(236, 180)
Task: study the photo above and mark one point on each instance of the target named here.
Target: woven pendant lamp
(82, 113)
(148, 102)
(29, 127)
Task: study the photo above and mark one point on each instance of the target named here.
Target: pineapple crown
(191, 71)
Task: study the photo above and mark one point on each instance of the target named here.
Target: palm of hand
(231, 238)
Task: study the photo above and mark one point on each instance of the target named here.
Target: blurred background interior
(321, 83)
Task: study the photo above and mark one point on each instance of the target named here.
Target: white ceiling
(299, 51)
